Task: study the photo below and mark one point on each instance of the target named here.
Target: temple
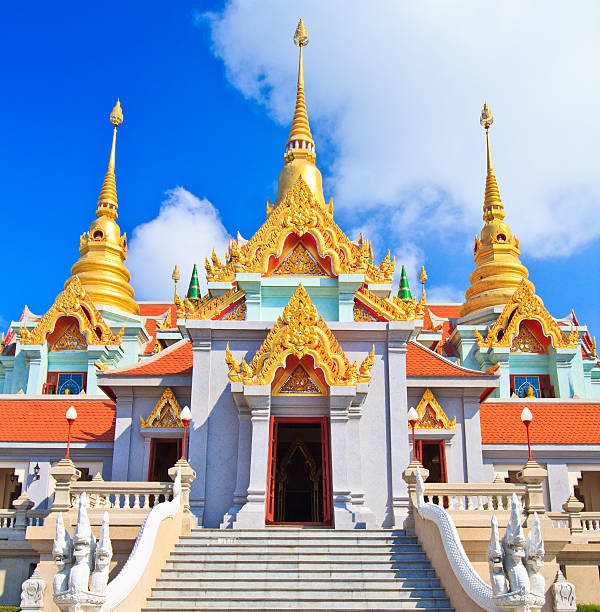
(299, 365)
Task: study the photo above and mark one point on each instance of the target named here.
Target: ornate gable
(72, 302)
(369, 307)
(523, 305)
(526, 342)
(298, 213)
(299, 331)
(165, 413)
(71, 340)
(431, 414)
(296, 380)
(300, 261)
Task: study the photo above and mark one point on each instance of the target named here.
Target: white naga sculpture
(515, 563)
(83, 563)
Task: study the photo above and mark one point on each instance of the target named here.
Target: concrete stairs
(297, 569)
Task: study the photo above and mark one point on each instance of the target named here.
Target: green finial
(404, 290)
(194, 288)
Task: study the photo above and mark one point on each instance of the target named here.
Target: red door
(326, 474)
(272, 471)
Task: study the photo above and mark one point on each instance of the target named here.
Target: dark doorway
(163, 456)
(433, 457)
(299, 482)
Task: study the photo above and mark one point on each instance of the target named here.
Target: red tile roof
(42, 419)
(554, 422)
(176, 359)
(420, 361)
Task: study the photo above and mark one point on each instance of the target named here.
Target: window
(65, 383)
(519, 384)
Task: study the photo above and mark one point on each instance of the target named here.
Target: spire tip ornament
(486, 118)
(116, 115)
(301, 35)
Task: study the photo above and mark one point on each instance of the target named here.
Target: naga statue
(515, 564)
(83, 563)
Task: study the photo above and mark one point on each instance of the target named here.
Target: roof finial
(300, 143)
(107, 202)
(492, 205)
(404, 289)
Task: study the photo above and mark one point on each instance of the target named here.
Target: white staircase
(297, 569)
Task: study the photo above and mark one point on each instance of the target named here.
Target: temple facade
(299, 365)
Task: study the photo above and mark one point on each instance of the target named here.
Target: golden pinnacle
(486, 118)
(175, 276)
(422, 275)
(301, 35)
(116, 116)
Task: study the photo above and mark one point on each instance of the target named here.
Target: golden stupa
(498, 270)
(101, 268)
(300, 157)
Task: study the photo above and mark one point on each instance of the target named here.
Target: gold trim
(525, 304)
(299, 331)
(297, 381)
(390, 309)
(71, 340)
(437, 420)
(299, 261)
(165, 413)
(73, 302)
(526, 342)
(299, 213)
(207, 307)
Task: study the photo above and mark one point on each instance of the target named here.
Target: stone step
(228, 603)
(335, 557)
(301, 548)
(322, 565)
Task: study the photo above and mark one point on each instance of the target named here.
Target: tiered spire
(101, 268)
(194, 287)
(107, 202)
(498, 269)
(404, 289)
(299, 157)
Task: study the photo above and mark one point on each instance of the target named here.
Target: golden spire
(107, 202)
(300, 156)
(498, 269)
(101, 268)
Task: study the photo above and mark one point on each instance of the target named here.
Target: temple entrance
(432, 454)
(299, 489)
(163, 455)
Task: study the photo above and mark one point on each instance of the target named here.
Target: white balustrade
(474, 497)
(121, 495)
(590, 521)
(560, 520)
(7, 519)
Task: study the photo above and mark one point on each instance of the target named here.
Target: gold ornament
(431, 414)
(298, 383)
(526, 342)
(299, 261)
(299, 331)
(73, 302)
(211, 307)
(166, 412)
(389, 309)
(71, 340)
(523, 305)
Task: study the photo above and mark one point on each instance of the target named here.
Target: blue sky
(393, 96)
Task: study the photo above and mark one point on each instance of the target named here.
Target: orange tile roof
(176, 359)
(420, 361)
(42, 419)
(155, 310)
(554, 422)
(448, 311)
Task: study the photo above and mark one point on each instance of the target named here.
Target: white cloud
(184, 232)
(396, 90)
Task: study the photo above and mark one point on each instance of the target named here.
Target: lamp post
(413, 417)
(527, 417)
(71, 416)
(186, 417)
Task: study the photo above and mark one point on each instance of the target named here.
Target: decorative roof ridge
(207, 307)
(449, 362)
(393, 308)
(299, 212)
(22, 397)
(144, 362)
(544, 401)
(300, 331)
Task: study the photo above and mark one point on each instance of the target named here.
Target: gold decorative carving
(526, 342)
(208, 307)
(73, 302)
(299, 213)
(71, 340)
(299, 331)
(390, 309)
(165, 413)
(362, 314)
(299, 261)
(299, 382)
(431, 414)
(237, 313)
(525, 304)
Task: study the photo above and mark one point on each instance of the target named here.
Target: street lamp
(71, 416)
(413, 417)
(186, 417)
(527, 417)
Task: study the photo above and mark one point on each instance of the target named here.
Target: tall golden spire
(498, 269)
(101, 268)
(300, 156)
(107, 202)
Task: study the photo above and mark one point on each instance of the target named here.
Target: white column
(476, 471)
(252, 514)
(398, 410)
(340, 399)
(123, 427)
